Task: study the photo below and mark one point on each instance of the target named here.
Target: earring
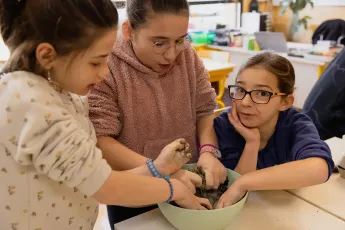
(53, 84)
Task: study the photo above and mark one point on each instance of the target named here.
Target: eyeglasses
(257, 96)
(162, 47)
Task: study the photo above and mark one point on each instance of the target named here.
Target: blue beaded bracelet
(167, 178)
(153, 168)
(155, 173)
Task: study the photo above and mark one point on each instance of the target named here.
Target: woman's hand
(173, 157)
(249, 134)
(186, 199)
(215, 172)
(191, 180)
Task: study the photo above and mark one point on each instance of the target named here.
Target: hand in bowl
(191, 180)
(186, 199)
(215, 172)
(234, 194)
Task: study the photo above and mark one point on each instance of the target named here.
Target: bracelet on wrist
(167, 179)
(155, 173)
(213, 150)
(207, 145)
(153, 168)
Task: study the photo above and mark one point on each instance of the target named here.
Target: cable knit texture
(145, 110)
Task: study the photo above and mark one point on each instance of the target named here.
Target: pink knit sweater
(145, 111)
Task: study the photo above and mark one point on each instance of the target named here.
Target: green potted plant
(296, 6)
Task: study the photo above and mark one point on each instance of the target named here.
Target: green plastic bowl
(186, 219)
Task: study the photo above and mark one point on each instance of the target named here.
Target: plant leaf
(303, 22)
(300, 4)
(311, 3)
(293, 7)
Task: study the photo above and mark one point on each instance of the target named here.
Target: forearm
(249, 158)
(118, 156)
(293, 175)
(205, 130)
(144, 170)
(127, 189)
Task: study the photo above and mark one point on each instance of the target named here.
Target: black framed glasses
(180, 45)
(257, 96)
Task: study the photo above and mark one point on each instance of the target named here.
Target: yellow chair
(313, 27)
(320, 69)
(219, 76)
(214, 55)
(204, 47)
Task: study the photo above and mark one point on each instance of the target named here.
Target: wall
(318, 14)
(224, 13)
(207, 16)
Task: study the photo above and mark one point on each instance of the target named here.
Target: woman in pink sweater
(158, 91)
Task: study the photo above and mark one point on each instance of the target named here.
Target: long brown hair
(277, 65)
(138, 10)
(68, 25)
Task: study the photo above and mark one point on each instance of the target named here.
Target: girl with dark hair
(52, 174)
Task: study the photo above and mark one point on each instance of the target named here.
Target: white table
(329, 196)
(212, 65)
(268, 210)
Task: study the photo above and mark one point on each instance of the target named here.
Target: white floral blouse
(49, 163)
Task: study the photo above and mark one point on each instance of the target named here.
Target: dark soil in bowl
(212, 195)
